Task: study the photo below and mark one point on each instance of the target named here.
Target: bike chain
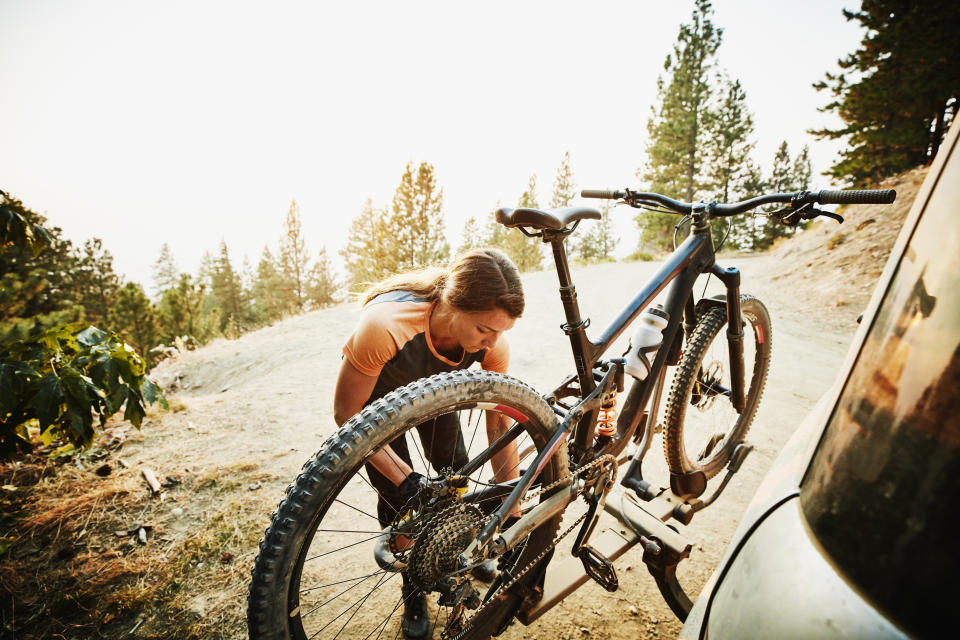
(501, 592)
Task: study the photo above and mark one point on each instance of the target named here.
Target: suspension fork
(730, 276)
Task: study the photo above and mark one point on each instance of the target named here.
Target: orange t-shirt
(392, 342)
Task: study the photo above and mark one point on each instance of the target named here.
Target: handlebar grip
(600, 193)
(857, 196)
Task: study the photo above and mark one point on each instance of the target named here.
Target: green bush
(641, 256)
(62, 379)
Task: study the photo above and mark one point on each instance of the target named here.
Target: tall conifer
(165, 272)
(564, 188)
(294, 259)
(680, 125)
(416, 228)
(898, 92)
(366, 256)
(321, 283)
(228, 288)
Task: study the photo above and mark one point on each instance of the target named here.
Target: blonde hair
(478, 280)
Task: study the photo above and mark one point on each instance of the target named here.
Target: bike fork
(730, 276)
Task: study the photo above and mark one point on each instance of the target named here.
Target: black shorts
(441, 443)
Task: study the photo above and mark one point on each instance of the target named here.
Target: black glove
(411, 488)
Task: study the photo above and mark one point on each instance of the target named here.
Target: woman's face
(476, 330)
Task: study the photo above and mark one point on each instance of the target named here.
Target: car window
(881, 494)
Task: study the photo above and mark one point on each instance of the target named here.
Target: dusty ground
(246, 414)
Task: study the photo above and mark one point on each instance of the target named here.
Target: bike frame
(695, 256)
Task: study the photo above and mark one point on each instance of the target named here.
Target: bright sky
(190, 122)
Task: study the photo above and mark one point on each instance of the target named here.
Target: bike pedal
(598, 568)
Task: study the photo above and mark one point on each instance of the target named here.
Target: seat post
(574, 327)
(568, 293)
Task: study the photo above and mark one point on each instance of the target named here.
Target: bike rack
(663, 549)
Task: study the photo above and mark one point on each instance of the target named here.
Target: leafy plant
(66, 377)
(16, 229)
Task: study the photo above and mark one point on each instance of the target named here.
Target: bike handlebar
(799, 198)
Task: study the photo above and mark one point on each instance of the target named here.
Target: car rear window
(883, 490)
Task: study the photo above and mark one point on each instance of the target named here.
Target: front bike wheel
(701, 426)
(316, 575)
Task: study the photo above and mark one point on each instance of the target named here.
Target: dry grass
(67, 574)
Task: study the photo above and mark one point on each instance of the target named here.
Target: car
(853, 532)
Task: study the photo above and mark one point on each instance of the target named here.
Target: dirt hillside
(86, 555)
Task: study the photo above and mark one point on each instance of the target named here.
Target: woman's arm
(353, 390)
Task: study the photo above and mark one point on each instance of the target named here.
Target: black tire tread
(708, 326)
(344, 450)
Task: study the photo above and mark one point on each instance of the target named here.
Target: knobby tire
(688, 410)
(276, 610)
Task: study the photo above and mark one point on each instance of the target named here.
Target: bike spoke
(357, 610)
(333, 584)
(383, 624)
(352, 544)
(329, 600)
(356, 509)
(379, 584)
(476, 427)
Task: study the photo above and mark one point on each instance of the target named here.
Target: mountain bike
(328, 568)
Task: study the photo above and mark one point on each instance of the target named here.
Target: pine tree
(564, 188)
(135, 319)
(181, 312)
(416, 230)
(95, 283)
(165, 272)
(267, 299)
(729, 169)
(746, 229)
(228, 289)
(527, 252)
(321, 284)
(524, 251)
(34, 284)
(729, 144)
(680, 127)
(473, 237)
(898, 92)
(781, 177)
(781, 181)
(599, 241)
(528, 199)
(802, 169)
(294, 262)
(206, 269)
(367, 255)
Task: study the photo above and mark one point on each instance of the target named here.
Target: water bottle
(645, 342)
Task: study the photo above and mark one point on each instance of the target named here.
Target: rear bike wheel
(316, 575)
(701, 426)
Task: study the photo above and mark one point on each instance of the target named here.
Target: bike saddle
(554, 219)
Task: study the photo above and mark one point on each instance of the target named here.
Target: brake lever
(813, 213)
(807, 212)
